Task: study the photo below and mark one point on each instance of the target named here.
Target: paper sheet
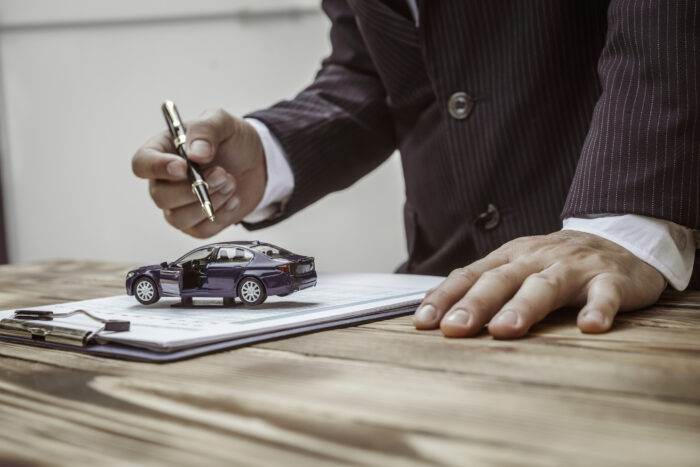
(164, 328)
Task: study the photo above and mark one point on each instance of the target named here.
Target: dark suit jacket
(572, 109)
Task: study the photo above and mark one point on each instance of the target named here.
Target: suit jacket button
(490, 219)
(460, 105)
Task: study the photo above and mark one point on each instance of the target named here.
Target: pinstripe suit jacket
(578, 108)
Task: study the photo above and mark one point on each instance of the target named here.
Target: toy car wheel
(251, 291)
(146, 291)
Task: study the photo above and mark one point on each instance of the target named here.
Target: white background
(82, 82)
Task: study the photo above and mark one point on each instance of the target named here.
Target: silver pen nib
(208, 211)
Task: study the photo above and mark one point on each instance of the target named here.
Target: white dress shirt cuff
(280, 179)
(666, 246)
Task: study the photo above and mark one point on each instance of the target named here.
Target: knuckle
(157, 196)
(614, 283)
(465, 274)
(565, 270)
(170, 218)
(214, 119)
(530, 247)
(507, 249)
(605, 301)
(595, 255)
(196, 232)
(500, 274)
(525, 306)
(440, 295)
(431, 292)
(138, 164)
(609, 278)
(615, 267)
(608, 287)
(219, 113)
(206, 127)
(476, 303)
(552, 281)
(135, 162)
(208, 113)
(512, 246)
(492, 274)
(211, 172)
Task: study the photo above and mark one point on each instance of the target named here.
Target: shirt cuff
(664, 245)
(280, 179)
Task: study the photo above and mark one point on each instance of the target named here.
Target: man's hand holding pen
(231, 155)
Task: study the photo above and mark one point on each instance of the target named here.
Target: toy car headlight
(130, 274)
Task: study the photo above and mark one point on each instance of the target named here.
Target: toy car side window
(271, 251)
(198, 254)
(233, 255)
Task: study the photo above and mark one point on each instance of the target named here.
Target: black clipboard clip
(24, 324)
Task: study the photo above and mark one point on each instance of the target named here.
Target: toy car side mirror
(164, 264)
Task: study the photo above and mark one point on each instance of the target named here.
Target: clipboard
(70, 339)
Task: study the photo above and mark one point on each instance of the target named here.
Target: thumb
(206, 133)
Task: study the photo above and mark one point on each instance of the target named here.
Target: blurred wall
(82, 82)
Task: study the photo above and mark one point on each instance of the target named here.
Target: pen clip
(172, 117)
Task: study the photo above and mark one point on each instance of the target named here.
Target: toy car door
(171, 280)
(223, 272)
(184, 273)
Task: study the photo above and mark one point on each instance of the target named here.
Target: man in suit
(510, 117)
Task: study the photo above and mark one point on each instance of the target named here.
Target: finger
(153, 165)
(205, 134)
(494, 288)
(225, 215)
(540, 294)
(604, 299)
(439, 299)
(157, 160)
(186, 217)
(172, 195)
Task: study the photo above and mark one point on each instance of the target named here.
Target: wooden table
(379, 394)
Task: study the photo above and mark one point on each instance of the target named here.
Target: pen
(194, 173)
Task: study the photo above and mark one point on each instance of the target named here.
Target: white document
(163, 328)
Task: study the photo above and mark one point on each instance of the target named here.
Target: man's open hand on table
(519, 284)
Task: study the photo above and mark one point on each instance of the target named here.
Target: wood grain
(377, 394)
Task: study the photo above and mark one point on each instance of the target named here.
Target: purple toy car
(248, 270)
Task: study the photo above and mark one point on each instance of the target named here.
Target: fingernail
(509, 318)
(425, 313)
(218, 179)
(228, 188)
(176, 168)
(233, 203)
(459, 317)
(200, 148)
(593, 315)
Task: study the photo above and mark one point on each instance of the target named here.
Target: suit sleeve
(339, 128)
(642, 152)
